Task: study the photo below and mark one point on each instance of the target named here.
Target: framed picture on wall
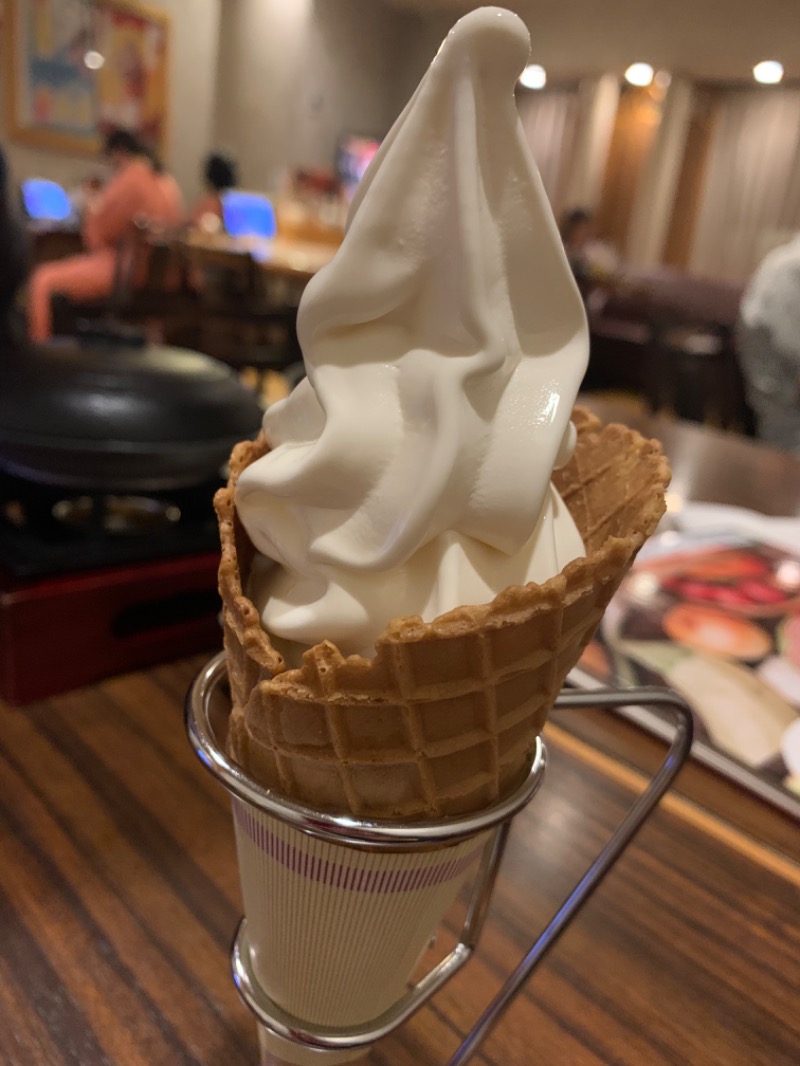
(76, 68)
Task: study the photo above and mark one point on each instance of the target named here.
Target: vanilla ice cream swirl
(444, 344)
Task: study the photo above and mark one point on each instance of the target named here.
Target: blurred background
(694, 165)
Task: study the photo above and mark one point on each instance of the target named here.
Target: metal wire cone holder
(373, 835)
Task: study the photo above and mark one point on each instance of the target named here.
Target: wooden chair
(163, 302)
(666, 335)
(692, 369)
(239, 321)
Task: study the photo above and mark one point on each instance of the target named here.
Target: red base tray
(62, 632)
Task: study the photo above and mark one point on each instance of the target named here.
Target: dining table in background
(49, 242)
(710, 465)
(281, 256)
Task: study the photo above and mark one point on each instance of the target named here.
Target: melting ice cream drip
(445, 344)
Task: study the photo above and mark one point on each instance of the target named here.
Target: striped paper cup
(337, 911)
(335, 931)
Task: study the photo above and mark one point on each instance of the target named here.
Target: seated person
(136, 192)
(219, 175)
(592, 261)
(170, 190)
(84, 194)
(768, 341)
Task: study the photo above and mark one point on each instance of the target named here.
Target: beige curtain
(549, 118)
(598, 101)
(751, 195)
(655, 196)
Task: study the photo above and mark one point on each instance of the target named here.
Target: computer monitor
(45, 201)
(247, 214)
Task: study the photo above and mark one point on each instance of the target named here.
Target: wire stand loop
(372, 835)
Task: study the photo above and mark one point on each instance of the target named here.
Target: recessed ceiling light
(768, 72)
(639, 74)
(533, 77)
(93, 59)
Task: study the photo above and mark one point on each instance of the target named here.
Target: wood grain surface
(119, 897)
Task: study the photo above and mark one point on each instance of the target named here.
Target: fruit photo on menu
(717, 618)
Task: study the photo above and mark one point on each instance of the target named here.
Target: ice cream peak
(445, 344)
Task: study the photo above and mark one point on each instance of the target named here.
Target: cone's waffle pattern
(443, 719)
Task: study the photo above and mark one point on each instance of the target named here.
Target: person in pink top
(137, 191)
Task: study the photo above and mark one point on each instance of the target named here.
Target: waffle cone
(443, 719)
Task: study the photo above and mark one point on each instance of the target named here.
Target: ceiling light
(768, 72)
(639, 74)
(662, 79)
(533, 77)
(93, 59)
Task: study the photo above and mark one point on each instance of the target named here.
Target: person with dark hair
(576, 227)
(592, 261)
(220, 172)
(577, 230)
(135, 192)
(120, 144)
(219, 175)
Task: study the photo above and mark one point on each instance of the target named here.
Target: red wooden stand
(58, 633)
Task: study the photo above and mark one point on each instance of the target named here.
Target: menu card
(711, 609)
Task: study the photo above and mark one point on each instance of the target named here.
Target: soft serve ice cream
(410, 472)
(410, 475)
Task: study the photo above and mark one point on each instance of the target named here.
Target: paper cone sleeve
(443, 719)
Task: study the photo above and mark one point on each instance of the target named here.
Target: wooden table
(279, 257)
(53, 242)
(119, 897)
(711, 465)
